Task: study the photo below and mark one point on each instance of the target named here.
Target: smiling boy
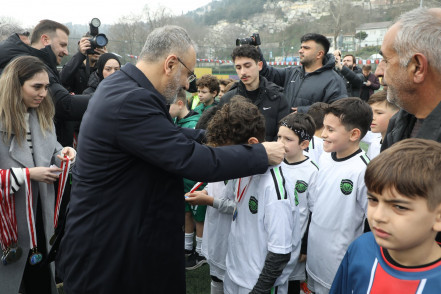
(400, 255)
(339, 209)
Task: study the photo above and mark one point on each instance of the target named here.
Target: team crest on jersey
(346, 186)
(252, 204)
(301, 186)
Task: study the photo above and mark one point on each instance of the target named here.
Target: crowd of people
(290, 180)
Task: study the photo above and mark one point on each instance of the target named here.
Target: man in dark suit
(124, 225)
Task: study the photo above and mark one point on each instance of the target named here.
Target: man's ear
(260, 65)
(170, 62)
(253, 140)
(418, 67)
(304, 144)
(45, 40)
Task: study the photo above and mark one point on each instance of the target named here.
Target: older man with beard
(412, 71)
(124, 225)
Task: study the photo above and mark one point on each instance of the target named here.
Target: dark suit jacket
(124, 226)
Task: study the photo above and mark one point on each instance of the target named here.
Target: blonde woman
(28, 146)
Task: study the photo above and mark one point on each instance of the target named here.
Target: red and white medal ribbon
(65, 166)
(30, 211)
(239, 194)
(8, 221)
(196, 186)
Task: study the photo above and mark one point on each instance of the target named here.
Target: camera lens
(101, 40)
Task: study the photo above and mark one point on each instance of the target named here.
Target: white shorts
(316, 287)
(232, 288)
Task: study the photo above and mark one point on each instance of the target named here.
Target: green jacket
(201, 107)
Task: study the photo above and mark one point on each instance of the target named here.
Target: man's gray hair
(419, 32)
(164, 41)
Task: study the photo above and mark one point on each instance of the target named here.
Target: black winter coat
(93, 83)
(353, 80)
(401, 125)
(304, 89)
(67, 107)
(73, 76)
(270, 101)
(124, 225)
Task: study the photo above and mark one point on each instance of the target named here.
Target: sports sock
(189, 241)
(217, 287)
(198, 245)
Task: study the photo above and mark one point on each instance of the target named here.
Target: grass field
(198, 280)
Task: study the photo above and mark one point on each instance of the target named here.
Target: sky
(29, 12)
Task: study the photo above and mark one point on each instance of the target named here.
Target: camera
(97, 40)
(253, 40)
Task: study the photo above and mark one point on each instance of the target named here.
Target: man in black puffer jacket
(314, 81)
(267, 96)
(49, 43)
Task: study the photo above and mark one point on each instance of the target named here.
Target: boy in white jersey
(317, 112)
(339, 209)
(382, 110)
(265, 225)
(295, 132)
(400, 255)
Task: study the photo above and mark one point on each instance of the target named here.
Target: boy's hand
(199, 198)
(302, 258)
(275, 152)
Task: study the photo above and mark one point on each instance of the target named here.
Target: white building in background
(375, 33)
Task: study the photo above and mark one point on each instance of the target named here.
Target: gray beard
(172, 89)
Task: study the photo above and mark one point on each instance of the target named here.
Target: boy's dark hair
(319, 39)
(246, 50)
(366, 67)
(411, 167)
(235, 123)
(381, 96)
(353, 113)
(181, 96)
(317, 111)
(353, 58)
(209, 81)
(301, 124)
(49, 27)
(225, 82)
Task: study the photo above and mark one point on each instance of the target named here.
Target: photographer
(349, 71)
(74, 74)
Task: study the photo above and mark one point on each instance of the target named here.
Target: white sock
(217, 287)
(189, 241)
(198, 245)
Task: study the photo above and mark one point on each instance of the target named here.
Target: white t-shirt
(338, 213)
(302, 175)
(315, 149)
(267, 220)
(374, 147)
(216, 230)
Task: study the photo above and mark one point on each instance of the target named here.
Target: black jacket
(353, 79)
(304, 89)
(73, 76)
(401, 125)
(124, 225)
(93, 83)
(67, 107)
(270, 101)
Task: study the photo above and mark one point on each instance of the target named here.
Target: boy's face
(221, 90)
(403, 225)
(248, 71)
(205, 96)
(382, 115)
(335, 136)
(291, 141)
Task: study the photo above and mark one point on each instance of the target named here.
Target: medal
(36, 257)
(65, 166)
(239, 196)
(13, 254)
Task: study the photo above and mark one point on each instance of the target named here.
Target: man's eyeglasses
(192, 76)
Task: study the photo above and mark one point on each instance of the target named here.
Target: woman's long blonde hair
(12, 107)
